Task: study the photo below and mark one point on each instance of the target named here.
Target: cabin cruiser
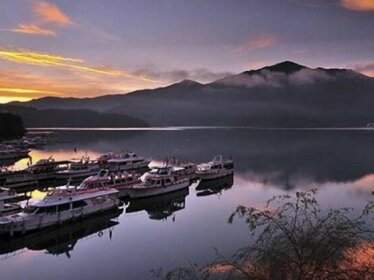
(126, 162)
(60, 206)
(187, 169)
(159, 181)
(61, 240)
(7, 199)
(81, 169)
(217, 168)
(45, 169)
(116, 180)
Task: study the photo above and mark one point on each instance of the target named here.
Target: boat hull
(213, 175)
(41, 222)
(137, 192)
(75, 175)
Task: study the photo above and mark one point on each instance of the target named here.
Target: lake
(186, 226)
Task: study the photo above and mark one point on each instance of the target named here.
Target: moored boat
(159, 181)
(125, 162)
(116, 180)
(7, 202)
(60, 206)
(82, 169)
(45, 169)
(217, 168)
(19, 179)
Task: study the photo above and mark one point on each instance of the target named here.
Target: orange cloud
(49, 12)
(358, 5)
(45, 14)
(72, 64)
(21, 94)
(33, 29)
(263, 41)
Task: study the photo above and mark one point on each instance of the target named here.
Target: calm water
(185, 227)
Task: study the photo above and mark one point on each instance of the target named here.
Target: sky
(86, 48)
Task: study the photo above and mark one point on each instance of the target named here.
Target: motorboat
(61, 240)
(159, 181)
(45, 169)
(82, 169)
(19, 179)
(217, 168)
(119, 180)
(8, 203)
(60, 206)
(126, 162)
(188, 169)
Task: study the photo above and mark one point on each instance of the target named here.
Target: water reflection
(216, 186)
(60, 240)
(160, 207)
(284, 158)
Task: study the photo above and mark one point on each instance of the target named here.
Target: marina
(77, 189)
(197, 205)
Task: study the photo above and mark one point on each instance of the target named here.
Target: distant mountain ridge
(70, 118)
(286, 94)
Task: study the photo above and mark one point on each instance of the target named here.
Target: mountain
(70, 118)
(282, 95)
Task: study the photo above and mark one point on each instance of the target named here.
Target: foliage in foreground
(295, 238)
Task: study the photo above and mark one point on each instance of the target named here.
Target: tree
(295, 238)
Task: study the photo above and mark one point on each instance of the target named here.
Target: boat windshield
(30, 209)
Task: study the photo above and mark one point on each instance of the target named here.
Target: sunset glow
(87, 50)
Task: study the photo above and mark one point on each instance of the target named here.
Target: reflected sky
(267, 163)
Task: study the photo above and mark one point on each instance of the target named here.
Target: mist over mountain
(282, 95)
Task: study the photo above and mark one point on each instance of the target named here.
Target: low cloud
(272, 79)
(176, 75)
(358, 5)
(260, 42)
(366, 69)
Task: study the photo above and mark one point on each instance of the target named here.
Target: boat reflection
(214, 186)
(160, 207)
(60, 240)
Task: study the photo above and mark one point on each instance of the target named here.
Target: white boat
(60, 206)
(81, 169)
(159, 181)
(7, 205)
(116, 180)
(188, 169)
(126, 162)
(217, 168)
